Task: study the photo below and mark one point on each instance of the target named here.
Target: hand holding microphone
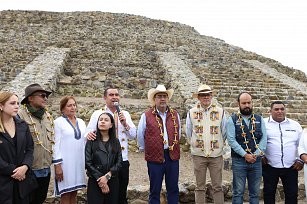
(120, 115)
(116, 104)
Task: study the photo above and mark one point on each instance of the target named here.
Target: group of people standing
(31, 141)
(271, 148)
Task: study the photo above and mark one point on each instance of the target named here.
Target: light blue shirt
(142, 128)
(231, 136)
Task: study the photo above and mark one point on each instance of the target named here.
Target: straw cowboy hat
(32, 88)
(202, 89)
(160, 89)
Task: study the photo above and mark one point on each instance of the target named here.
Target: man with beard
(247, 138)
(158, 135)
(281, 159)
(125, 129)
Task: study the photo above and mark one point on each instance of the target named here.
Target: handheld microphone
(116, 104)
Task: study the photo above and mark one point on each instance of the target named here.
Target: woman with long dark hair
(102, 160)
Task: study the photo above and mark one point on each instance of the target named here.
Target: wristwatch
(108, 177)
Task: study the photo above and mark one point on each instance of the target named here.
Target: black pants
(289, 178)
(16, 196)
(123, 175)
(39, 195)
(95, 195)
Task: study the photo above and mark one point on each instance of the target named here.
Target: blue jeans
(243, 170)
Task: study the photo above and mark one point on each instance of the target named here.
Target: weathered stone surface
(44, 70)
(81, 53)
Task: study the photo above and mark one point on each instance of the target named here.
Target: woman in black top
(102, 160)
(16, 152)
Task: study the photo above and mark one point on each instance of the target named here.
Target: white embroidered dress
(69, 151)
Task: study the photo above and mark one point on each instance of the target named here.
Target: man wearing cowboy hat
(158, 135)
(206, 129)
(33, 111)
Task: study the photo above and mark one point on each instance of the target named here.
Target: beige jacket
(43, 138)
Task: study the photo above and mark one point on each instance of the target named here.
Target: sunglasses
(43, 95)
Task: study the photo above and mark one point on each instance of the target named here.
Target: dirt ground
(139, 176)
(138, 169)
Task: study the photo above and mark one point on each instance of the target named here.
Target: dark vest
(238, 132)
(154, 147)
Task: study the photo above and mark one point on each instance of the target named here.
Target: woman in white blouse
(68, 157)
(302, 152)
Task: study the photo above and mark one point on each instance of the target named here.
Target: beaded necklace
(253, 121)
(175, 141)
(37, 134)
(213, 117)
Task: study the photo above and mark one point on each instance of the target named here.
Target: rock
(138, 201)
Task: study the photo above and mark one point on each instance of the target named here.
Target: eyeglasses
(43, 95)
(204, 95)
(161, 96)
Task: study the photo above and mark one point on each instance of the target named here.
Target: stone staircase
(134, 53)
(228, 83)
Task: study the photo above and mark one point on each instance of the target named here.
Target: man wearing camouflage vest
(33, 111)
(206, 130)
(158, 135)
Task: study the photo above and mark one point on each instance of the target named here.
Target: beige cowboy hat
(31, 89)
(203, 88)
(160, 89)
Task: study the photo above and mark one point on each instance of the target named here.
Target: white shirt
(282, 142)
(123, 134)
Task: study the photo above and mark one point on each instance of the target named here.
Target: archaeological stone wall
(80, 53)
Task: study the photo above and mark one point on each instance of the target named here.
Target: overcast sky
(273, 28)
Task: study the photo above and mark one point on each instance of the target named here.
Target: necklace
(175, 141)
(214, 115)
(37, 134)
(253, 121)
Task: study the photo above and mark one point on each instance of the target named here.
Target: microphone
(116, 104)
